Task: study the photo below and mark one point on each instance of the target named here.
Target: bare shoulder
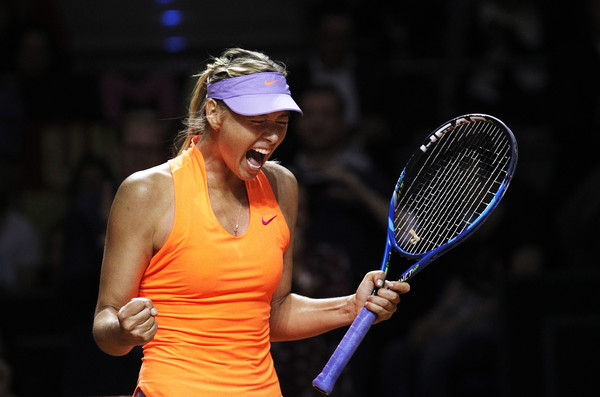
(148, 191)
(283, 182)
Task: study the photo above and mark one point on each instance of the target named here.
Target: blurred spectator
(82, 233)
(339, 49)
(20, 250)
(331, 58)
(347, 195)
(120, 93)
(143, 141)
(321, 270)
(141, 145)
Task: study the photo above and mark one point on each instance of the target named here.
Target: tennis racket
(448, 188)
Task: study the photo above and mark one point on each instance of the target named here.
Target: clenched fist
(137, 319)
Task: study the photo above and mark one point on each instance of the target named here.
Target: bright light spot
(171, 17)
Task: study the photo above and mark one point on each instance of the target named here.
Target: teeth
(256, 157)
(254, 166)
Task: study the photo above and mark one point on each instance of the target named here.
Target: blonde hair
(233, 62)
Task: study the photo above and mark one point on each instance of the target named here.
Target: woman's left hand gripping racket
(448, 188)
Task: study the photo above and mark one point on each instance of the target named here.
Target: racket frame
(325, 381)
(425, 259)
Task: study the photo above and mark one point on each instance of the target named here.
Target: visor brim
(254, 105)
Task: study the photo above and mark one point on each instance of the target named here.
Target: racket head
(450, 186)
(498, 167)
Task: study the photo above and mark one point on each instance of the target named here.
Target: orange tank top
(213, 294)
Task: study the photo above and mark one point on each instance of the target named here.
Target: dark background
(71, 70)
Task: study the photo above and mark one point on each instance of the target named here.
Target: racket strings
(454, 219)
(424, 191)
(481, 192)
(444, 226)
(473, 188)
(436, 195)
(452, 187)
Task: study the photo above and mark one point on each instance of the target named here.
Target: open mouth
(256, 157)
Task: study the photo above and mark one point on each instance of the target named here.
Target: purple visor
(254, 94)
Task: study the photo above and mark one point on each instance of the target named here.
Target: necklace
(237, 223)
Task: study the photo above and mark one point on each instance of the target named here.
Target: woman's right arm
(136, 226)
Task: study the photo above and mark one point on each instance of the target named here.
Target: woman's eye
(258, 122)
(262, 122)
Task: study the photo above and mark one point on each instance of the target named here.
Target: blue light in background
(175, 43)
(171, 17)
(164, 1)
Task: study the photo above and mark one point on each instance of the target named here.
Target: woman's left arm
(297, 317)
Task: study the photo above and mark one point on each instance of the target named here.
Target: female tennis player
(198, 258)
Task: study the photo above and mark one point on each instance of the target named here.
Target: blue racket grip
(342, 354)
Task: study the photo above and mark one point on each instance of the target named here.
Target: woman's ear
(214, 114)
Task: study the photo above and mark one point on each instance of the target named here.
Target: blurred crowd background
(91, 91)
